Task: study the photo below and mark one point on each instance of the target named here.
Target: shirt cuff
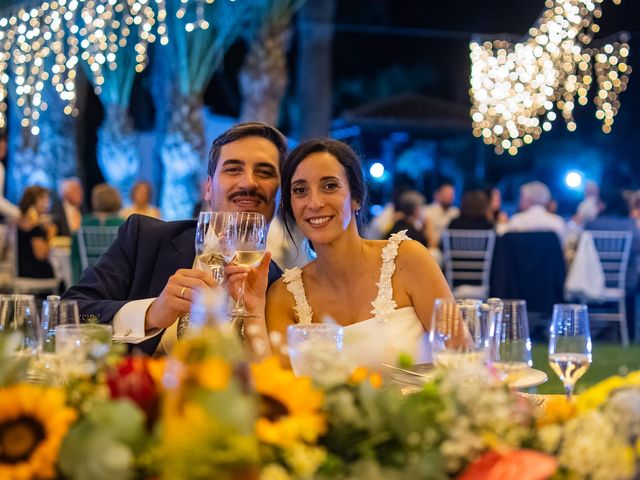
(128, 322)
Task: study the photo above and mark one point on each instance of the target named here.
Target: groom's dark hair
(243, 130)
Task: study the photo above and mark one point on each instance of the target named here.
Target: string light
(516, 87)
(42, 46)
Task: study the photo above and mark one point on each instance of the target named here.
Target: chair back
(613, 249)
(93, 241)
(467, 257)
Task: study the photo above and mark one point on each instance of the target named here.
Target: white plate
(529, 378)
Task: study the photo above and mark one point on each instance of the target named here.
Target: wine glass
(56, 312)
(512, 344)
(214, 247)
(19, 313)
(250, 242)
(313, 348)
(569, 344)
(458, 334)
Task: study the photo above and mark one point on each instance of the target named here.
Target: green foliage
(13, 368)
(104, 444)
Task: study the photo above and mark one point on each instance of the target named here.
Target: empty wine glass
(458, 333)
(19, 313)
(512, 345)
(569, 344)
(214, 246)
(313, 348)
(250, 242)
(56, 312)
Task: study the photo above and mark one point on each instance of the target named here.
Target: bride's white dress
(389, 333)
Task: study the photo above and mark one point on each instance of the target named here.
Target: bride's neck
(340, 259)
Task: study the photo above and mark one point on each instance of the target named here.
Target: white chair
(467, 261)
(93, 241)
(34, 286)
(613, 249)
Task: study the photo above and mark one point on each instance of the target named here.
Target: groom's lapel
(175, 253)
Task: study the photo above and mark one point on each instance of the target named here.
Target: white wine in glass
(248, 258)
(214, 247)
(569, 344)
(250, 241)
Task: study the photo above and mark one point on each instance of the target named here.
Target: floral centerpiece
(206, 412)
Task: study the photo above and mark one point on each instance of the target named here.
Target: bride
(381, 291)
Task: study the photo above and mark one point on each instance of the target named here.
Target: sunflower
(290, 406)
(33, 423)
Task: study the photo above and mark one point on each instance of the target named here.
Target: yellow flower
(213, 373)
(556, 409)
(305, 459)
(362, 374)
(273, 471)
(33, 423)
(290, 405)
(599, 393)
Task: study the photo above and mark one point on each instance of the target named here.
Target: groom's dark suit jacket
(138, 265)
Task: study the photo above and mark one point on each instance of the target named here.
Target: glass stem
(240, 307)
(568, 390)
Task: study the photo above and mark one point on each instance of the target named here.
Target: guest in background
(8, 211)
(533, 216)
(438, 214)
(141, 198)
(591, 206)
(67, 212)
(35, 230)
(475, 212)
(497, 215)
(106, 204)
(408, 210)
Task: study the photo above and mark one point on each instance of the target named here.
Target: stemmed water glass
(19, 313)
(250, 242)
(512, 346)
(214, 246)
(569, 344)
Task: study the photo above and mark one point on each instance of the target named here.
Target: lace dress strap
(292, 277)
(384, 304)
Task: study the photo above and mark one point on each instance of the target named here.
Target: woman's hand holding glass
(249, 239)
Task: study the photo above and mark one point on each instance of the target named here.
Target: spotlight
(376, 170)
(573, 179)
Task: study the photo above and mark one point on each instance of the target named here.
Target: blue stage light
(376, 170)
(573, 179)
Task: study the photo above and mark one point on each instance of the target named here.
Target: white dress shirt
(537, 219)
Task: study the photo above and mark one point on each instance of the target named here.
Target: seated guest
(381, 291)
(67, 212)
(497, 216)
(439, 213)
(141, 198)
(475, 213)
(533, 216)
(409, 209)
(35, 229)
(106, 204)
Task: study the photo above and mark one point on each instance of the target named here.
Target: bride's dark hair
(345, 156)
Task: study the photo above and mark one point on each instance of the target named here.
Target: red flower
(514, 464)
(132, 379)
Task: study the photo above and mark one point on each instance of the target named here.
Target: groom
(145, 281)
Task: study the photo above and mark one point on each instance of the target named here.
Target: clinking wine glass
(214, 245)
(250, 242)
(569, 344)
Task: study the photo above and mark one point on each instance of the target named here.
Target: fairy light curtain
(517, 87)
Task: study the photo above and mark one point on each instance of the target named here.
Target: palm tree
(263, 76)
(314, 68)
(200, 33)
